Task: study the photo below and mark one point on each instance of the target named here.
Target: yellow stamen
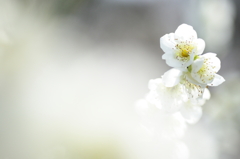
(185, 49)
(185, 53)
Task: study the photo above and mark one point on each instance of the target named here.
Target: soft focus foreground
(177, 97)
(72, 70)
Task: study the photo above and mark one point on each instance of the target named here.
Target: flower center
(206, 73)
(193, 91)
(185, 53)
(185, 49)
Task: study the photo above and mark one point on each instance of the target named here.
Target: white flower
(174, 77)
(203, 71)
(182, 96)
(192, 110)
(159, 123)
(168, 99)
(171, 99)
(181, 47)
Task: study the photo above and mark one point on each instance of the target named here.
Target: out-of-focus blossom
(184, 97)
(192, 109)
(164, 129)
(169, 99)
(177, 77)
(176, 98)
(159, 123)
(181, 47)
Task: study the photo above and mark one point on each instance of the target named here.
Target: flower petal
(186, 63)
(200, 46)
(192, 80)
(167, 43)
(154, 83)
(206, 94)
(172, 77)
(166, 56)
(191, 113)
(210, 54)
(205, 68)
(185, 32)
(171, 125)
(213, 60)
(171, 60)
(217, 80)
(197, 64)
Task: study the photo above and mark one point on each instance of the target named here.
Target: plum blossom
(192, 111)
(159, 123)
(183, 88)
(163, 103)
(181, 47)
(201, 73)
(172, 99)
(203, 70)
(168, 99)
(177, 97)
(177, 77)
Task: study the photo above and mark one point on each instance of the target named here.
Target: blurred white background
(71, 71)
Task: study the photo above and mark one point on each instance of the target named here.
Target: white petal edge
(206, 94)
(171, 61)
(210, 54)
(197, 65)
(215, 60)
(167, 43)
(217, 80)
(200, 46)
(192, 80)
(172, 77)
(185, 32)
(191, 113)
(153, 83)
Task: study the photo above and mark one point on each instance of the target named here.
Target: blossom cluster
(182, 51)
(176, 98)
(192, 72)
(183, 88)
